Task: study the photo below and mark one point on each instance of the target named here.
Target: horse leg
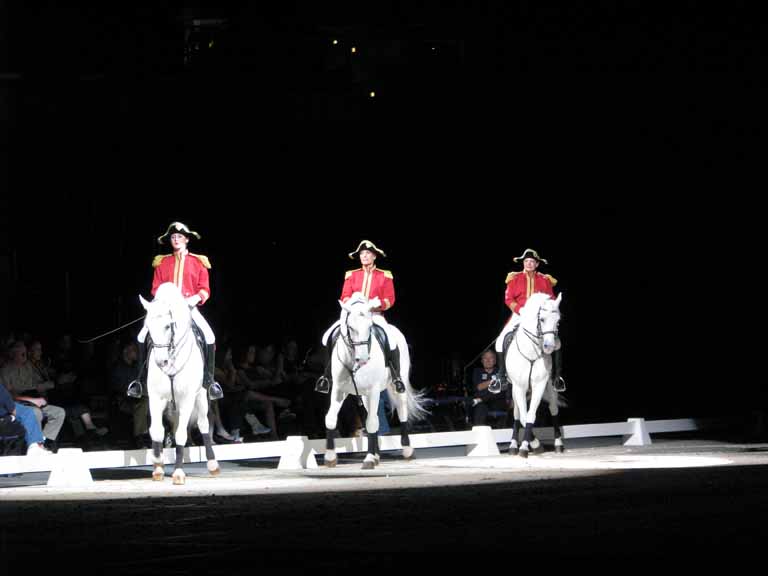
(185, 411)
(513, 448)
(372, 458)
(518, 392)
(405, 361)
(158, 471)
(179, 477)
(554, 411)
(331, 421)
(204, 427)
(371, 402)
(157, 433)
(401, 405)
(537, 391)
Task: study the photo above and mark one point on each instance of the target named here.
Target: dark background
(612, 139)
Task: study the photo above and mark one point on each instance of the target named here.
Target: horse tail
(416, 400)
(560, 399)
(416, 404)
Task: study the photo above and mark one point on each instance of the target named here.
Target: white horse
(358, 367)
(529, 363)
(175, 374)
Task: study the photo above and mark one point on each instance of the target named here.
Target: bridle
(537, 341)
(175, 348)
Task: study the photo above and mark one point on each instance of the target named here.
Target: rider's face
(530, 264)
(179, 241)
(367, 257)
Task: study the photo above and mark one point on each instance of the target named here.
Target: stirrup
(559, 384)
(495, 386)
(134, 389)
(323, 385)
(399, 386)
(215, 392)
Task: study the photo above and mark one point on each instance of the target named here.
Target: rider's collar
(370, 269)
(181, 253)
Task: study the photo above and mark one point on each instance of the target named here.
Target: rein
(100, 336)
(351, 347)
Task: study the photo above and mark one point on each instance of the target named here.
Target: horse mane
(170, 295)
(356, 298)
(535, 302)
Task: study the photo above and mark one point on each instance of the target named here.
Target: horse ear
(144, 302)
(344, 306)
(559, 298)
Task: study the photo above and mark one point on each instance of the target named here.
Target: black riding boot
(323, 384)
(136, 388)
(557, 367)
(214, 390)
(394, 366)
(501, 376)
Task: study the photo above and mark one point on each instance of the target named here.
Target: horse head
(356, 322)
(540, 319)
(168, 322)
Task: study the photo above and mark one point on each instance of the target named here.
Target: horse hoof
(331, 462)
(407, 452)
(377, 459)
(213, 467)
(513, 451)
(559, 449)
(158, 476)
(369, 465)
(539, 449)
(179, 479)
(523, 453)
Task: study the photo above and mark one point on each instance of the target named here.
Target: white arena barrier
(72, 466)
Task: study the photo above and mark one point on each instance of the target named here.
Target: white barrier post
(483, 442)
(640, 436)
(69, 469)
(297, 454)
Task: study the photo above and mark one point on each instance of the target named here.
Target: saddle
(199, 338)
(508, 340)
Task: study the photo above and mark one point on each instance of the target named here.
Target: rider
(372, 282)
(520, 286)
(190, 273)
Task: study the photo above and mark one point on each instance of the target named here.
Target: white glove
(374, 303)
(193, 301)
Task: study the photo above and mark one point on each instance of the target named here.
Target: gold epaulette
(551, 279)
(510, 276)
(203, 259)
(350, 272)
(387, 274)
(158, 259)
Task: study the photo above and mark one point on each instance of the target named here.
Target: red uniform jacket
(371, 284)
(189, 272)
(520, 286)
